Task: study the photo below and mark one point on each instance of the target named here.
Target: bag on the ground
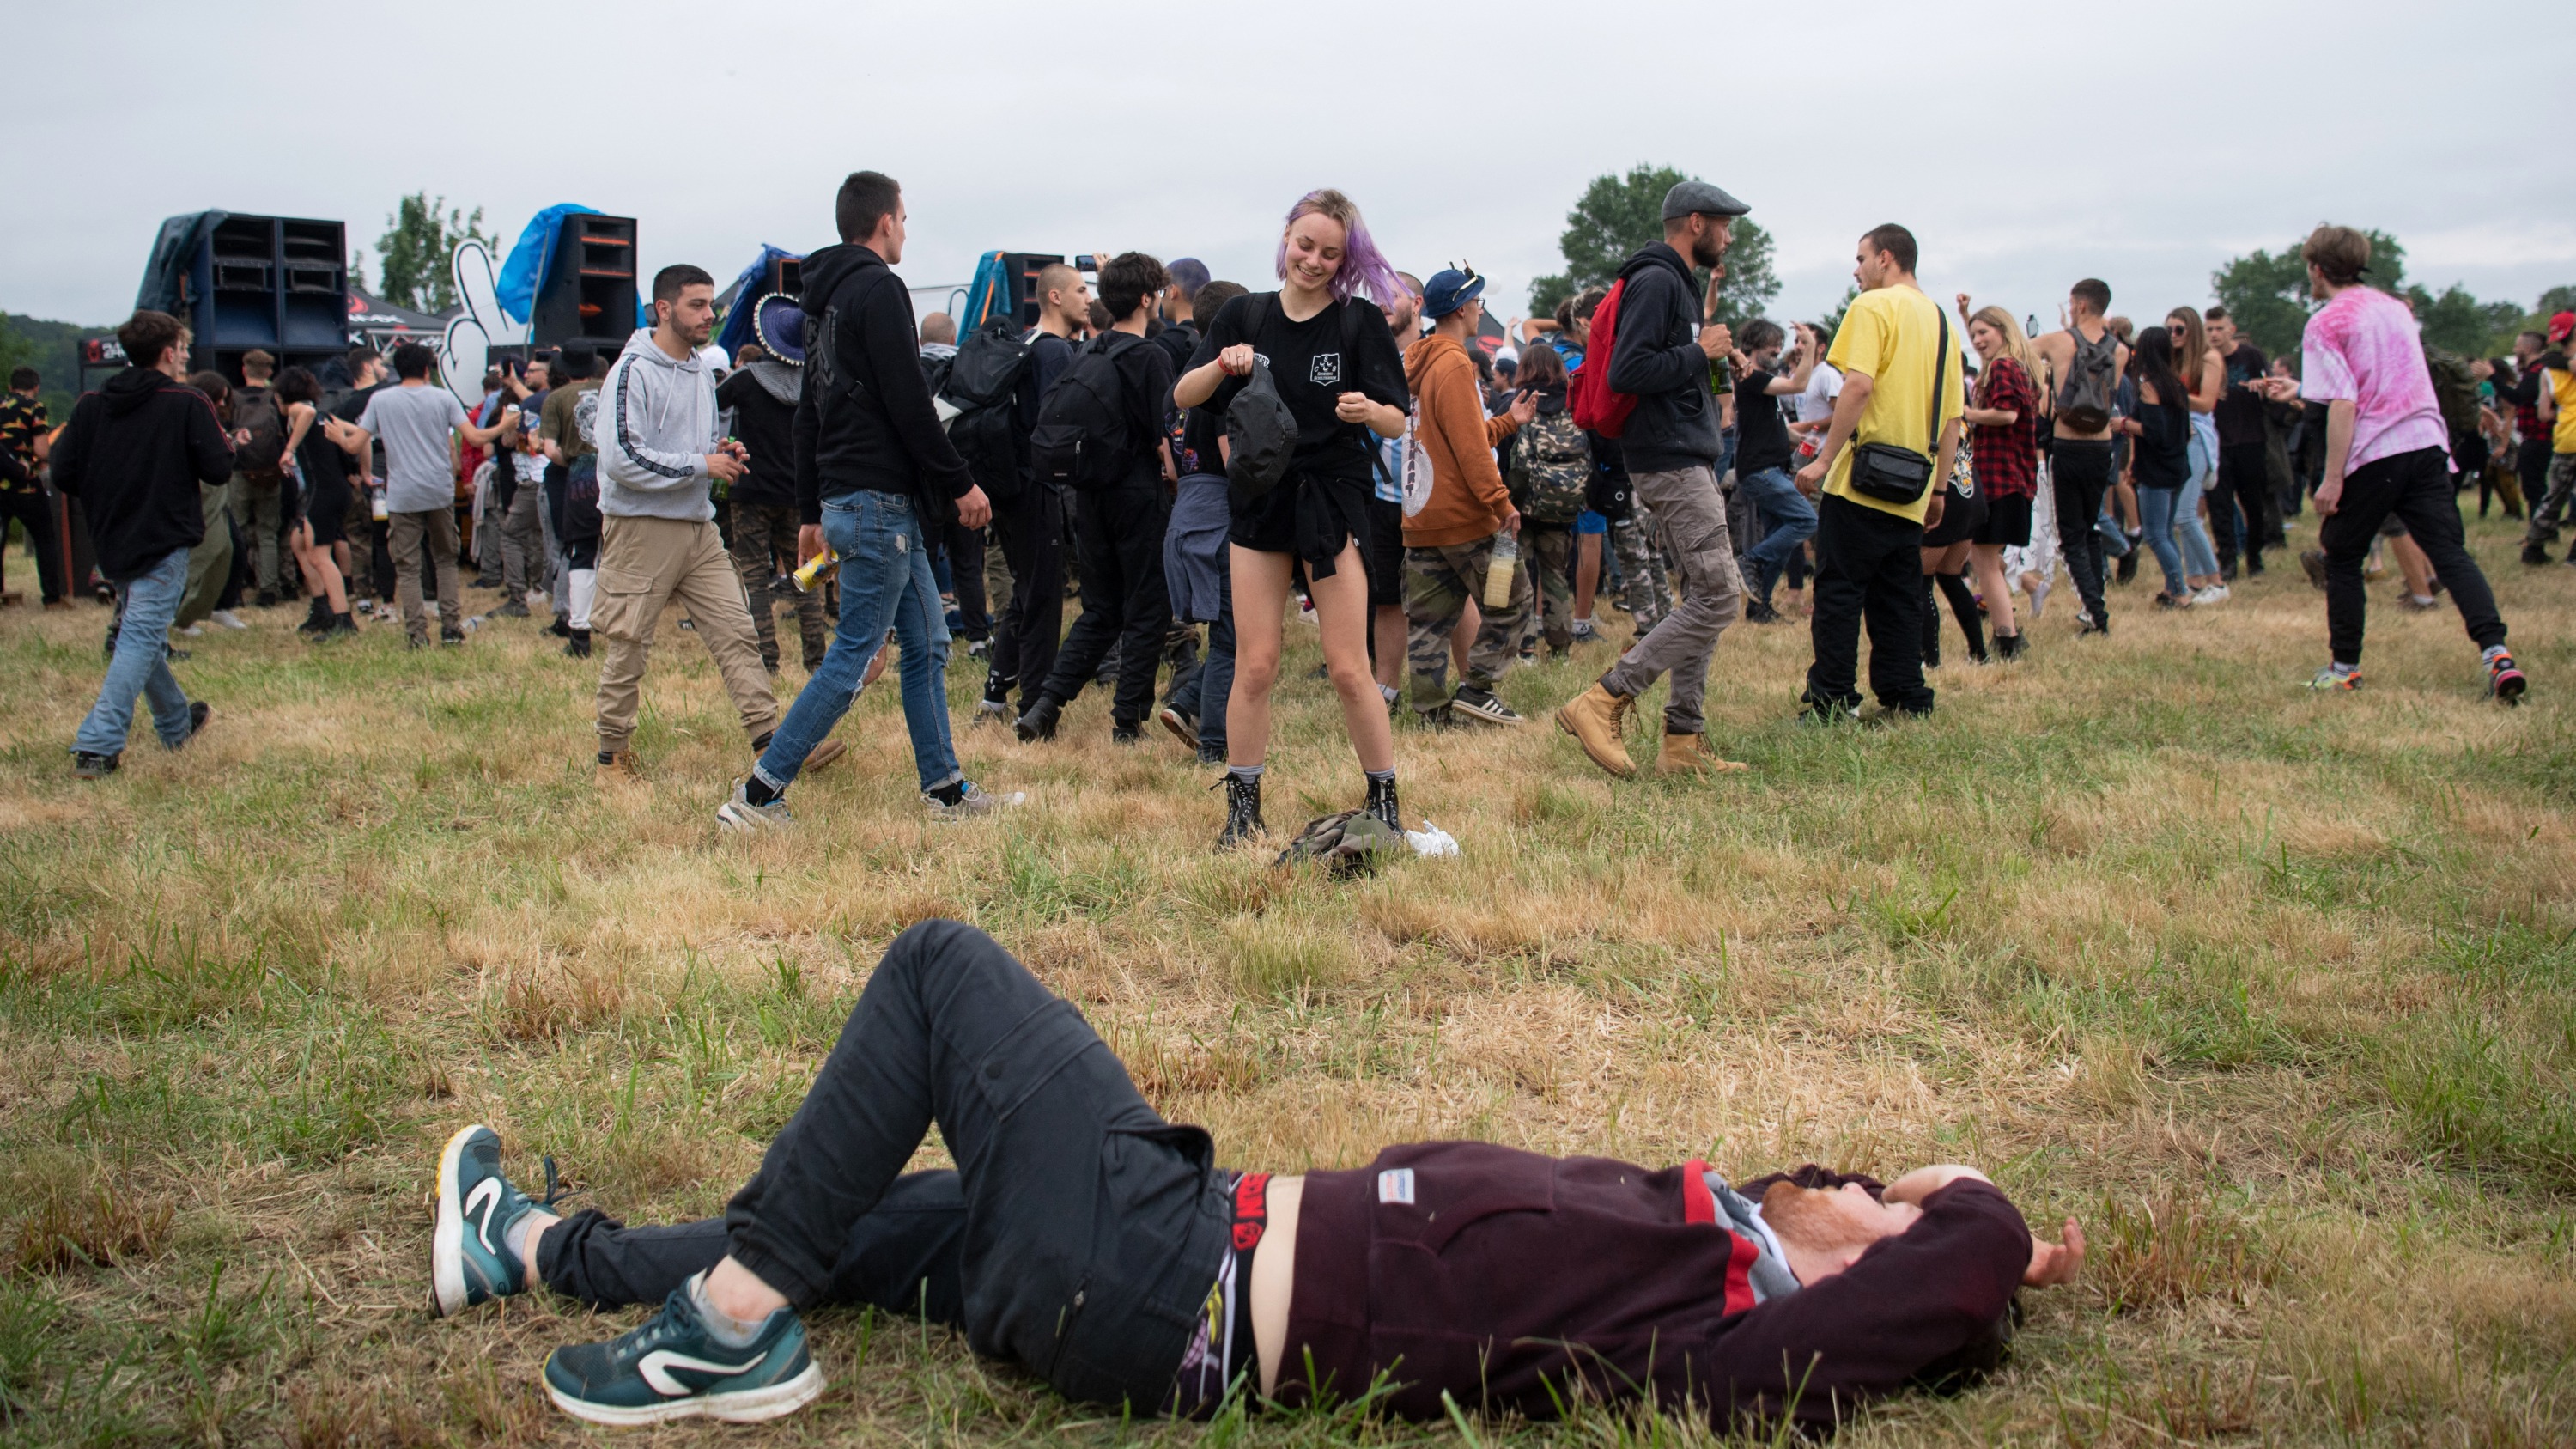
(1081, 439)
(2084, 395)
(1588, 395)
(1553, 465)
(1893, 474)
(1351, 843)
(255, 411)
(983, 384)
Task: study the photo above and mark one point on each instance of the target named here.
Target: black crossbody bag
(1892, 474)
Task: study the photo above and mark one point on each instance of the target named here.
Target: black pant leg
(1833, 628)
(2345, 535)
(2426, 503)
(1143, 513)
(2080, 473)
(902, 1257)
(1032, 537)
(965, 549)
(1092, 1228)
(1894, 601)
(1102, 566)
(33, 510)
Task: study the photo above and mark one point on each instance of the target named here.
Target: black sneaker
(1039, 723)
(515, 610)
(1759, 611)
(2011, 646)
(578, 646)
(559, 628)
(1478, 704)
(2128, 567)
(1120, 734)
(88, 766)
(199, 713)
(2313, 564)
(2088, 624)
(2534, 554)
(451, 636)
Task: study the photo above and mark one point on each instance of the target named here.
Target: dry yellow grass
(2276, 990)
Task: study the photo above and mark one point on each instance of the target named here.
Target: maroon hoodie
(1506, 1279)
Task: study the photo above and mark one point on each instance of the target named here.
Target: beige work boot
(823, 755)
(1691, 752)
(619, 770)
(1595, 718)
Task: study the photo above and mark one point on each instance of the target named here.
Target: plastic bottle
(1498, 574)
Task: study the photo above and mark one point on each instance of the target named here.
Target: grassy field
(2276, 991)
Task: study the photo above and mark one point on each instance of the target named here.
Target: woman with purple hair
(1334, 362)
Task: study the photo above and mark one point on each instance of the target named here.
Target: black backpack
(255, 411)
(983, 384)
(1081, 440)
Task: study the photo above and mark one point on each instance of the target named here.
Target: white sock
(723, 1327)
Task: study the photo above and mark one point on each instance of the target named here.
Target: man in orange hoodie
(1456, 511)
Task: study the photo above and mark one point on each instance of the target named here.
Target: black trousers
(35, 510)
(1869, 567)
(1079, 1234)
(1031, 533)
(1118, 535)
(2243, 496)
(2416, 487)
(2080, 473)
(965, 550)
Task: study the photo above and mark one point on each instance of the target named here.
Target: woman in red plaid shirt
(2003, 439)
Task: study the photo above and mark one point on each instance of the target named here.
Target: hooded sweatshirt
(865, 421)
(655, 426)
(1655, 354)
(1468, 500)
(133, 454)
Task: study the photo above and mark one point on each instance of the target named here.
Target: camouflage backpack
(1552, 467)
(2455, 388)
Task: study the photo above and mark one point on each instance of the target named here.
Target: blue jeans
(2106, 524)
(1792, 521)
(2197, 555)
(885, 580)
(2156, 507)
(141, 664)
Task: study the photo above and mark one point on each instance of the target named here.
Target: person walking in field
(2388, 453)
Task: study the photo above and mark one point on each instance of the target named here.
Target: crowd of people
(1184, 452)
(1200, 462)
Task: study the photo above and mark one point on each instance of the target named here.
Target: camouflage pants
(1438, 582)
(1547, 550)
(763, 534)
(1645, 592)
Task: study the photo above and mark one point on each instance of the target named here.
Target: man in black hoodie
(135, 453)
(877, 476)
(1661, 354)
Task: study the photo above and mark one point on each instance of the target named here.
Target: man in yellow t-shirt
(1869, 559)
(2556, 406)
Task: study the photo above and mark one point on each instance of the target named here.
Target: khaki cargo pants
(645, 564)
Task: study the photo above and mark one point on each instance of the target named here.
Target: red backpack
(1596, 408)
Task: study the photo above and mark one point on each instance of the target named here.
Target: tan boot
(824, 754)
(1691, 752)
(1596, 718)
(619, 770)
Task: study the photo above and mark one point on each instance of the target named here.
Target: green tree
(413, 255)
(2459, 323)
(1618, 214)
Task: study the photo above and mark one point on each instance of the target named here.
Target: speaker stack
(278, 284)
(588, 297)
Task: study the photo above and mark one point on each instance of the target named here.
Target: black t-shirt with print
(1307, 365)
(2239, 414)
(1761, 436)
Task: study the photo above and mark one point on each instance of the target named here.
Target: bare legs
(1342, 615)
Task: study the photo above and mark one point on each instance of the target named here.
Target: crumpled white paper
(1431, 841)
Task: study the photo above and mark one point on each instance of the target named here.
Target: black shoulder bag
(1897, 475)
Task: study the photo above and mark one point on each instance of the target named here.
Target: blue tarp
(525, 270)
(742, 299)
(991, 294)
(174, 251)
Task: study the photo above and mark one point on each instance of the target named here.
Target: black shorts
(1311, 515)
(1385, 553)
(2007, 522)
(1960, 520)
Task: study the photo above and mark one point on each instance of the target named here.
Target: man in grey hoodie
(655, 429)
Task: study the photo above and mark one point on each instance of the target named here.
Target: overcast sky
(2026, 144)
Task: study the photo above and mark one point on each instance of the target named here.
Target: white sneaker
(975, 802)
(2214, 594)
(191, 632)
(227, 618)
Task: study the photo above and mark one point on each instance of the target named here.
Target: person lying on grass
(1103, 1248)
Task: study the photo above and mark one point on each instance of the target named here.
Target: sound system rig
(278, 284)
(588, 295)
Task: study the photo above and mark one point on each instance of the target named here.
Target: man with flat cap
(1661, 353)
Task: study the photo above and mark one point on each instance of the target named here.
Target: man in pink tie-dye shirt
(2387, 454)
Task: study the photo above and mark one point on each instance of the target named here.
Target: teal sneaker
(673, 1368)
(470, 1260)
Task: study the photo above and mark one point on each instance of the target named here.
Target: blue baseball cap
(1449, 290)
